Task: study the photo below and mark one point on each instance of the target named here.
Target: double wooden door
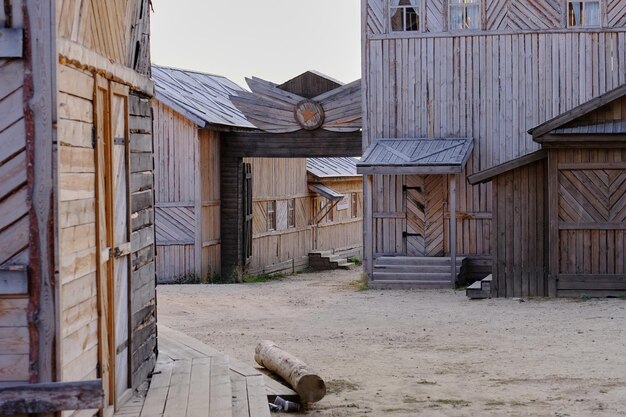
(424, 201)
(113, 204)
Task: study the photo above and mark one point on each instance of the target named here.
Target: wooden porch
(192, 379)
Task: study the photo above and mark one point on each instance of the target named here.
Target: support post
(368, 237)
(453, 227)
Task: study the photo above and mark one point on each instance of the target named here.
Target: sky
(270, 39)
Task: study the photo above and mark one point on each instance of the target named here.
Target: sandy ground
(420, 353)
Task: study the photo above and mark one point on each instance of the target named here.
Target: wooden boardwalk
(192, 379)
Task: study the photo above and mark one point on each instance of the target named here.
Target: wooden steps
(480, 289)
(192, 379)
(325, 260)
(414, 272)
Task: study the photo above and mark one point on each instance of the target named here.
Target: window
(271, 215)
(353, 206)
(291, 213)
(404, 15)
(583, 13)
(464, 15)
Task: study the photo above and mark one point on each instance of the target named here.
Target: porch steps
(414, 272)
(325, 260)
(192, 379)
(480, 289)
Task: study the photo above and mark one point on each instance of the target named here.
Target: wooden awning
(325, 192)
(416, 156)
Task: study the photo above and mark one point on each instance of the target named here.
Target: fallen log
(303, 379)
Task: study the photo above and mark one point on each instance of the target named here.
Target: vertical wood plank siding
(520, 262)
(210, 201)
(143, 278)
(175, 142)
(491, 87)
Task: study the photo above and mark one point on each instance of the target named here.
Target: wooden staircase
(192, 379)
(325, 260)
(414, 272)
(480, 289)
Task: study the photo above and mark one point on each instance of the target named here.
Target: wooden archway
(308, 116)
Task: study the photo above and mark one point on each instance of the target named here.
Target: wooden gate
(591, 231)
(424, 197)
(113, 208)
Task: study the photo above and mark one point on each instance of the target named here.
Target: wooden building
(483, 71)
(192, 111)
(77, 282)
(194, 118)
(559, 213)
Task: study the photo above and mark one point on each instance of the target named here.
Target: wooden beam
(51, 397)
(488, 174)
(368, 238)
(74, 54)
(409, 169)
(302, 144)
(40, 117)
(11, 43)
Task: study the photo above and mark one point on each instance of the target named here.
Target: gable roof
(202, 98)
(415, 156)
(332, 167)
(310, 84)
(578, 111)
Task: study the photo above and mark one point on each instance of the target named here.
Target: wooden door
(121, 235)
(113, 196)
(415, 215)
(104, 234)
(424, 200)
(247, 213)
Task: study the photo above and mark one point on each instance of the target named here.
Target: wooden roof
(332, 167)
(202, 98)
(488, 174)
(310, 84)
(415, 156)
(174, 225)
(564, 119)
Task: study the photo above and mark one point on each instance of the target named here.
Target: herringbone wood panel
(425, 197)
(587, 196)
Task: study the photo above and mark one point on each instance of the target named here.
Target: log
(51, 397)
(303, 379)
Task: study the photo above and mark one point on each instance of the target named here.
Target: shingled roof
(332, 167)
(202, 98)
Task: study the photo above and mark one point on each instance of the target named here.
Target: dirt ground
(420, 353)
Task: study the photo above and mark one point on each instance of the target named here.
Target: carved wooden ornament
(309, 114)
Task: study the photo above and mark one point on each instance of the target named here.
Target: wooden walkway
(192, 379)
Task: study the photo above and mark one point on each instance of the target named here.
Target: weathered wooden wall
(590, 190)
(520, 232)
(499, 15)
(78, 293)
(126, 38)
(209, 221)
(143, 278)
(344, 233)
(490, 86)
(176, 159)
(279, 179)
(14, 214)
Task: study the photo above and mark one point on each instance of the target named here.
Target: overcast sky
(271, 39)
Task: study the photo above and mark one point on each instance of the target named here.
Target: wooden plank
(220, 402)
(13, 312)
(51, 397)
(11, 43)
(14, 281)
